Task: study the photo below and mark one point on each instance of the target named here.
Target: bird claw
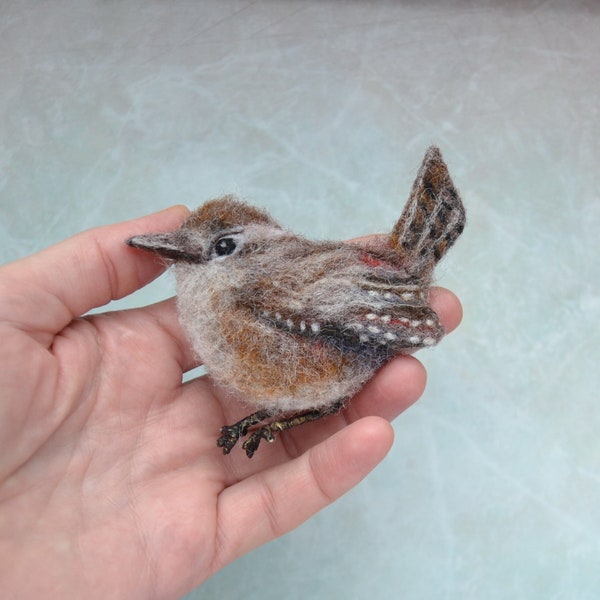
(229, 438)
(232, 433)
(252, 443)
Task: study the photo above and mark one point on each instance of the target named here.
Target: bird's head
(217, 230)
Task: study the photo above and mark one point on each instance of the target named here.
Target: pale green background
(321, 111)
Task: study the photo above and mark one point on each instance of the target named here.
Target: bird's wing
(380, 320)
(363, 310)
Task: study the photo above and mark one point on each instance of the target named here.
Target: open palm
(111, 484)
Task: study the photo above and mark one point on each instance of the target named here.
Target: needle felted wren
(297, 327)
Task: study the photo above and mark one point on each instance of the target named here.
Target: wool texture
(288, 324)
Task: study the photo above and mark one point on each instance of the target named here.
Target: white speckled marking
(315, 327)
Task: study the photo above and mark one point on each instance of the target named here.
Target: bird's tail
(433, 218)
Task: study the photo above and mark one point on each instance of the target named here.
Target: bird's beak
(171, 245)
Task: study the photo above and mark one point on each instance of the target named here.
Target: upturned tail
(433, 218)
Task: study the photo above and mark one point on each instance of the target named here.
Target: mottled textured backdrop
(320, 111)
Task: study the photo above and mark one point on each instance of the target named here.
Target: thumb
(45, 291)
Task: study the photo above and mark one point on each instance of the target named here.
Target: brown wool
(290, 325)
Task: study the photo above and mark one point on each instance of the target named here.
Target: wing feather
(361, 314)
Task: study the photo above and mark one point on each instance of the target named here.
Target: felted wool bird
(296, 327)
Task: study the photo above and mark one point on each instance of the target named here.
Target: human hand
(111, 484)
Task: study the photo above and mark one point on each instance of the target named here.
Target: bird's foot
(229, 438)
(251, 444)
(232, 433)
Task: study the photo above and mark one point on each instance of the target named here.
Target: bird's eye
(225, 246)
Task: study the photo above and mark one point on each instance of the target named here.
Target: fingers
(277, 500)
(88, 270)
(447, 305)
(401, 382)
(396, 387)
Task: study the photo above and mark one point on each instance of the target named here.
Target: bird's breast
(281, 370)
